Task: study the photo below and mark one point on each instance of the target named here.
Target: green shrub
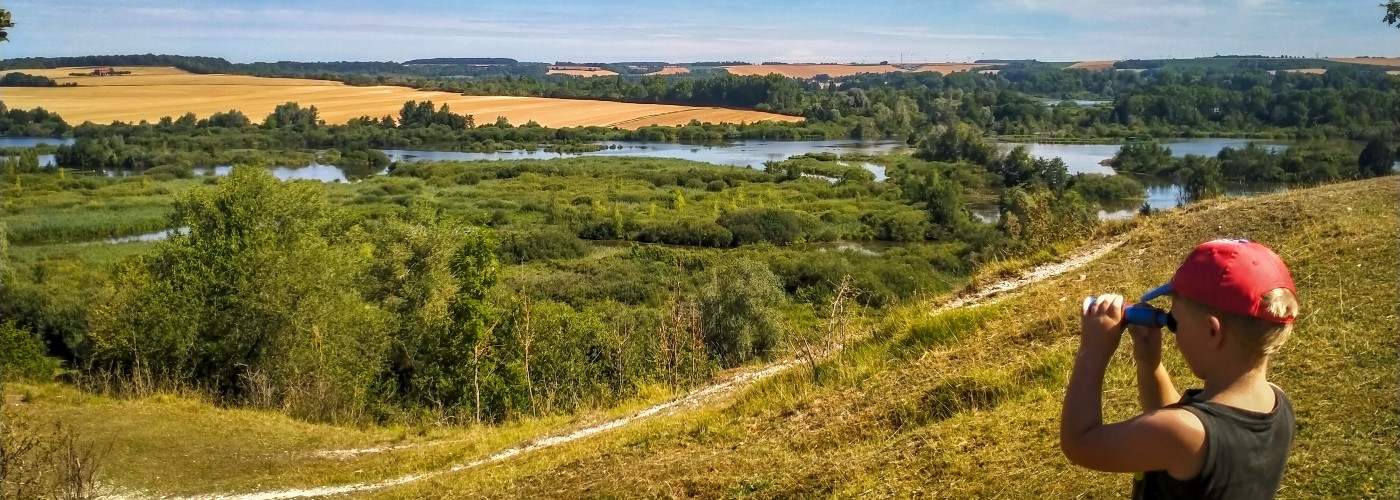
(22, 356)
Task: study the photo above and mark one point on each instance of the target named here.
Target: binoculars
(1145, 315)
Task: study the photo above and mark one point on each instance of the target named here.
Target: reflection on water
(29, 142)
(1090, 158)
(148, 237)
(313, 172)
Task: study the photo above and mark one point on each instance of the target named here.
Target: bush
(771, 225)
(540, 243)
(1107, 187)
(22, 356)
(739, 310)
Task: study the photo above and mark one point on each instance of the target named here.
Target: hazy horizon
(822, 31)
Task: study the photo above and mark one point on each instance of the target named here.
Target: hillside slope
(962, 403)
(966, 403)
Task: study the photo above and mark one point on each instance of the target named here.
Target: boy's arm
(1169, 439)
(1155, 388)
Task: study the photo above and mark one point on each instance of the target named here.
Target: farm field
(1093, 65)
(581, 72)
(842, 70)
(152, 93)
(671, 70)
(1369, 61)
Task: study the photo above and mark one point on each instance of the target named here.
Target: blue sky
(682, 31)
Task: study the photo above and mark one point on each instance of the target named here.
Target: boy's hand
(1147, 346)
(1101, 325)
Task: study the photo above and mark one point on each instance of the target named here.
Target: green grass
(975, 413)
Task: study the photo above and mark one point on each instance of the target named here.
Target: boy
(1233, 305)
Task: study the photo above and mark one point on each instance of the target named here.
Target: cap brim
(1156, 292)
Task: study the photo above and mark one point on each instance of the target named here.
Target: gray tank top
(1245, 453)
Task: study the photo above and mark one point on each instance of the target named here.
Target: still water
(751, 153)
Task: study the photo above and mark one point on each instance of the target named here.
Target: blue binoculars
(1145, 315)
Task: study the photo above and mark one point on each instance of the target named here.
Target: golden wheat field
(151, 93)
(671, 70)
(581, 72)
(843, 70)
(1371, 61)
(1093, 65)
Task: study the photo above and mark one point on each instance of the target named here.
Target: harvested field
(581, 72)
(949, 68)
(670, 70)
(1370, 61)
(1093, 65)
(843, 70)
(810, 70)
(151, 93)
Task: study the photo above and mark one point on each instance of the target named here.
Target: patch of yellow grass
(670, 70)
(581, 72)
(842, 70)
(1093, 65)
(1370, 61)
(152, 93)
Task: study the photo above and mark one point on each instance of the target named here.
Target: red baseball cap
(1231, 275)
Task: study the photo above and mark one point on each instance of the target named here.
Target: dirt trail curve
(982, 296)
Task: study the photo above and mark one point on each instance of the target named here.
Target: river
(1079, 158)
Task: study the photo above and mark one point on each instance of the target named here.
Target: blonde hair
(1259, 337)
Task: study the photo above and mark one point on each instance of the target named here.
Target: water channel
(1079, 158)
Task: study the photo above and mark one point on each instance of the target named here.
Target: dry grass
(1093, 65)
(1370, 61)
(966, 404)
(581, 72)
(179, 445)
(1307, 71)
(670, 70)
(843, 70)
(153, 93)
(1396, 72)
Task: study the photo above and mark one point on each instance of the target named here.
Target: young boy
(1233, 305)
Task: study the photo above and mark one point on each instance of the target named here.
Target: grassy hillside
(958, 404)
(966, 403)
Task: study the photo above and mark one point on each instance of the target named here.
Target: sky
(692, 30)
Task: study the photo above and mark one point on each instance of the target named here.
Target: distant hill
(463, 60)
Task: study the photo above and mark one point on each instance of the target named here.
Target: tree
(1392, 12)
(257, 301)
(6, 23)
(1376, 160)
(1201, 177)
(738, 309)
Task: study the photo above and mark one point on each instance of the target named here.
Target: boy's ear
(1217, 336)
